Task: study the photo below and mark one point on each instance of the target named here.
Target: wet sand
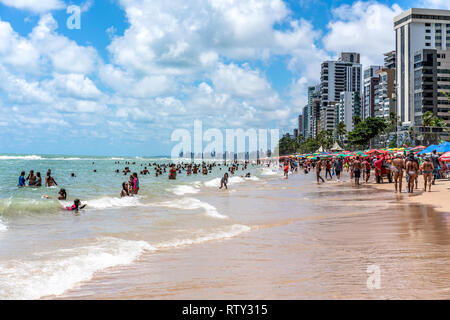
(307, 241)
(439, 197)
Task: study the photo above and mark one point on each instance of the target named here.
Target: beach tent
(320, 150)
(336, 147)
(444, 147)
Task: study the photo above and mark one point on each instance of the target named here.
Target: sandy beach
(307, 241)
(438, 197)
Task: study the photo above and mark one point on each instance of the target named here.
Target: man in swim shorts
(318, 169)
(397, 167)
(357, 170)
(427, 168)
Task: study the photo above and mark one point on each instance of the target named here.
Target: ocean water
(45, 251)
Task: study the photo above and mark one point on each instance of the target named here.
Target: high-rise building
(385, 93)
(305, 131)
(313, 112)
(295, 133)
(431, 79)
(371, 79)
(389, 60)
(422, 36)
(349, 105)
(336, 77)
(300, 124)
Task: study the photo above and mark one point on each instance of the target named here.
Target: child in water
(76, 206)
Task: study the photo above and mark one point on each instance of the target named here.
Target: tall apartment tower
(300, 124)
(417, 30)
(313, 111)
(305, 131)
(336, 77)
(371, 80)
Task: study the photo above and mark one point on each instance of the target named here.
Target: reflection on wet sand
(319, 248)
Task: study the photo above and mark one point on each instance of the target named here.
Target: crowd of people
(131, 187)
(393, 167)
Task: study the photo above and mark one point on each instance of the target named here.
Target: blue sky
(137, 69)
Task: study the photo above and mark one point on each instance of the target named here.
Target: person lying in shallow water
(76, 206)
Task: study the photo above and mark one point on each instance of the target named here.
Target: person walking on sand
(411, 172)
(338, 168)
(328, 170)
(397, 167)
(357, 170)
(427, 168)
(318, 169)
(435, 162)
(366, 168)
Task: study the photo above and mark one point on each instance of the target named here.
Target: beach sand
(439, 197)
(306, 241)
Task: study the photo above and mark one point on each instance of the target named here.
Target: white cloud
(37, 6)
(364, 27)
(435, 4)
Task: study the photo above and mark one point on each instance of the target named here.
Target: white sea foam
(3, 226)
(188, 203)
(31, 157)
(223, 233)
(111, 202)
(61, 270)
(268, 172)
(215, 183)
(184, 189)
(58, 271)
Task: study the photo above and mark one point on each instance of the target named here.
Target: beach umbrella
(445, 157)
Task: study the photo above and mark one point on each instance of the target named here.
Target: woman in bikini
(427, 168)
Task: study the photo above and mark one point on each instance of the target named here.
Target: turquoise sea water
(45, 251)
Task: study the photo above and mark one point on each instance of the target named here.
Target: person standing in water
(172, 172)
(49, 181)
(224, 181)
(124, 192)
(38, 179)
(135, 183)
(22, 181)
(31, 179)
(286, 170)
(318, 169)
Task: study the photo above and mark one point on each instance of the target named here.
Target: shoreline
(300, 247)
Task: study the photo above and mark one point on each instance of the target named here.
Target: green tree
(341, 130)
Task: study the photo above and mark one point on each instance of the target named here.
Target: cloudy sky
(138, 69)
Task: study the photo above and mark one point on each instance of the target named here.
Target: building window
(427, 37)
(438, 38)
(428, 31)
(437, 24)
(427, 24)
(428, 44)
(438, 30)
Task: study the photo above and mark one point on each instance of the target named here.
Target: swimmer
(124, 192)
(224, 181)
(62, 194)
(76, 206)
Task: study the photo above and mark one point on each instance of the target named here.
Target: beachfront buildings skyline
(412, 81)
(422, 46)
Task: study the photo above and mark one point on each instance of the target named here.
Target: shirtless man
(427, 168)
(412, 170)
(357, 170)
(318, 169)
(397, 167)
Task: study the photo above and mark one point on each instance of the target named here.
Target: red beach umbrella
(445, 157)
